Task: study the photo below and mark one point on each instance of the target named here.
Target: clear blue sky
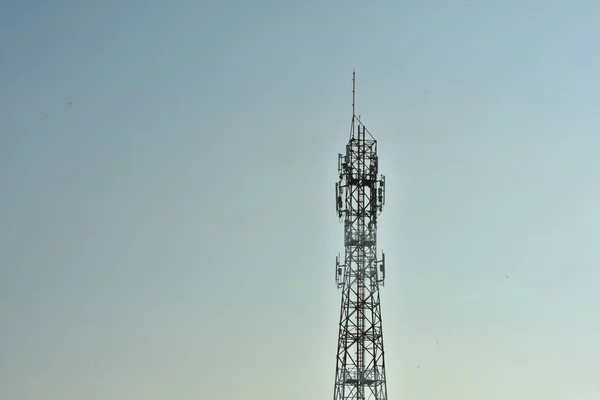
(171, 233)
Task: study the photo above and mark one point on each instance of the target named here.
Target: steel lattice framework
(360, 196)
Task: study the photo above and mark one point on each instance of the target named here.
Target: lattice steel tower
(360, 196)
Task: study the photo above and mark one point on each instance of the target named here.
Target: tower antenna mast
(353, 91)
(360, 196)
(353, 103)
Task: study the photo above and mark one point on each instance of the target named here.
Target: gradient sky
(167, 218)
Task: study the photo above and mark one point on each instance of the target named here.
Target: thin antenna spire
(353, 91)
(353, 99)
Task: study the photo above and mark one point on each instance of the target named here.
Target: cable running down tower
(360, 196)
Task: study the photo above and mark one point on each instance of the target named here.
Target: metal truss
(360, 196)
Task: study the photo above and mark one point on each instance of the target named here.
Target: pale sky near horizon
(167, 219)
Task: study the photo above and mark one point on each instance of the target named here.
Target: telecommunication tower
(360, 196)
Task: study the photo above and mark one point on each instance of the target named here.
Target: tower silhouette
(360, 196)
